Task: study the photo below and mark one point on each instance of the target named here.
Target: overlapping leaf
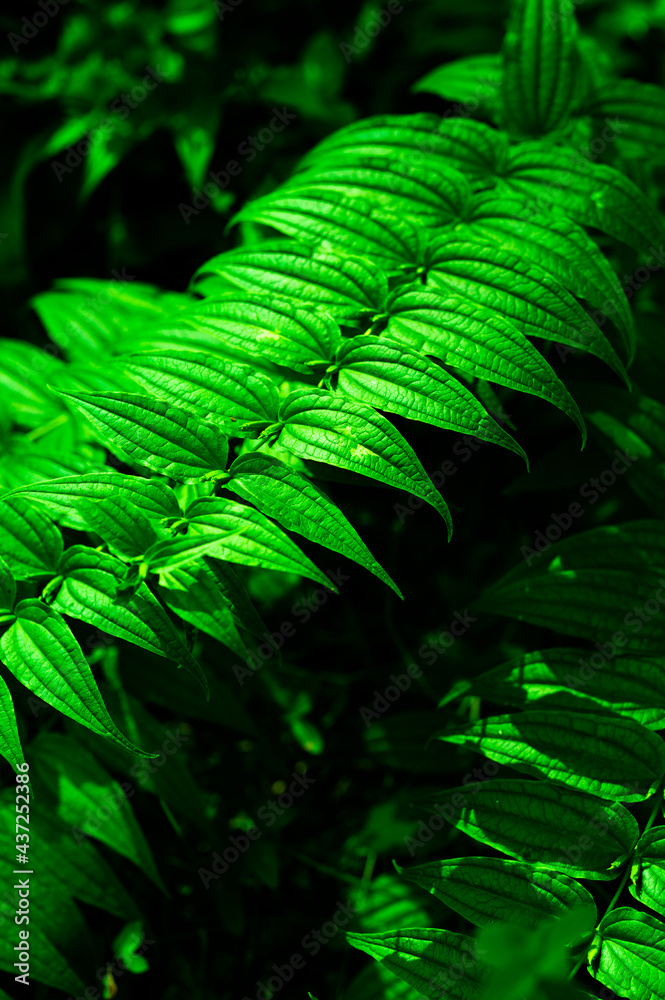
(628, 954)
(636, 110)
(328, 428)
(29, 541)
(647, 877)
(543, 823)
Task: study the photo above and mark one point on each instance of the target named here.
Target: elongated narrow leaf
(252, 539)
(122, 526)
(542, 823)
(164, 438)
(628, 954)
(270, 328)
(346, 224)
(539, 67)
(29, 541)
(84, 791)
(478, 342)
(424, 957)
(223, 392)
(560, 247)
(591, 586)
(640, 111)
(487, 889)
(613, 758)
(324, 427)
(300, 506)
(152, 496)
(42, 653)
(346, 287)
(195, 593)
(647, 877)
(471, 147)
(592, 194)
(399, 380)
(565, 679)
(395, 185)
(474, 81)
(10, 744)
(508, 286)
(90, 591)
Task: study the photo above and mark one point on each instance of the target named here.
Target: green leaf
(565, 679)
(628, 954)
(647, 876)
(556, 244)
(196, 592)
(152, 496)
(398, 380)
(587, 585)
(346, 287)
(91, 591)
(474, 80)
(123, 527)
(473, 148)
(7, 587)
(184, 550)
(325, 427)
(477, 341)
(539, 67)
(420, 193)
(152, 433)
(506, 285)
(592, 194)
(78, 324)
(640, 110)
(342, 223)
(543, 824)
(24, 373)
(223, 392)
(276, 329)
(253, 540)
(616, 759)
(298, 505)
(41, 652)
(10, 743)
(29, 541)
(484, 890)
(90, 800)
(423, 958)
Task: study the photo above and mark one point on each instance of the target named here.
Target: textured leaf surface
(487, 889)
(155, 434)
(273, 328)
(299, 505)
(326, 428)
(423, 956)
(544, 824)
(42, 653)
(478, 342)
(613, 758)
(474, 80)
(563, 678)
(639, 107)
(221, 391)
(398, 380)
(29, 541)
(506, 285)
(647, 878)
(90, 591)
(539, 67)
(346, 287)
(628, 954)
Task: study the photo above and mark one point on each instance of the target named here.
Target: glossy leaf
(647, 876)
(628, 954)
